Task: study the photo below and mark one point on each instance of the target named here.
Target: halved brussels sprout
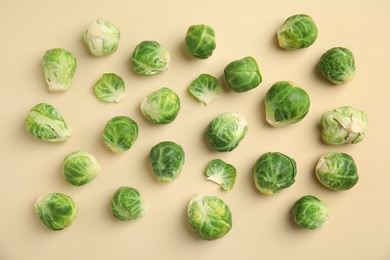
(110, 88)
(337, 171)
(243, 75)
(221, 173)
(200, 41)
(56, 210)
(343, 125)
(209, 216)
(338, 65)
(45, 122)
(274, 172)
(167, 160)
(120, 133)
(59, 67)
(310, 212)
(102, 37)
(80, 167)
(150, 58)
(128, 204)
(286, 103)
(226, 131)
(161, 106)
(205, 88)
(297, 32)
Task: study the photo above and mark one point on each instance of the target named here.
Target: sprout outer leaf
(221, 173)
(205, 88)
(110, 88)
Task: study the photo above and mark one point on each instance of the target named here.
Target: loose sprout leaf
(110, 88)
(200, 41)
(120, 133)
(128, 204)
(205, 88)
(102, 37)
(310, 212)
(338, 65)
(150, 58)
(221, 173)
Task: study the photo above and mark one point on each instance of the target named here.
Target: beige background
(359, 227)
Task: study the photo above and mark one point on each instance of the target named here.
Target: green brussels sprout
(337, 171)
(274, 172)
(200, 41)
(167, 160)
(221, 173)
(128, 204)
(110, 88)
(343, 125)
(46, 123)
(338, 65)
(286, 103)
(56, 210)
(161, 106)
(150, 58)
(297, 32)
(120, 133)
(226, 131)
(205, 88)
(243, 75)
(102, 37)
(310, 212)
(59, 67)
(80, 167)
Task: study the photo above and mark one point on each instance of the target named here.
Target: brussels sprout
(56, 210)
(161, 106)
(45, 122)
(59, 67)
(226, 131)
(310, 212)
(286, 103)
(337, 171)
(209, 216)
(343, 125)
(200, 41)
(120, 133)
(80, 167)
(221, 173)
(150, 58)
(128, 204)
(110, 88)
(274, 172)
(338, 65)
(102, 37)
(167, 160)
(205, 88)
(242, 75)
(297, 32)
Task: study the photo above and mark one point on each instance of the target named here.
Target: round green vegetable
(286, 103)
(209, 216)
(128, 204)
(150, 58)
(337, 171)
(56, 210)
(110, 88)
(221, 173)
(310, 212)
(338, 65)
(205, 88)
(102, 37)
(200, 41)
(120, 133)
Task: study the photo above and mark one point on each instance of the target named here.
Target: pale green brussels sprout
(338, 65)
(209, 216)
(150, 58)
(297, 32)
(310, 212)
(343, 125)
(59, 67)
(167, 160)
(110, 88)
(128, 204)
(56, 210)
(120, 133)
(200, 41)
(337, 171)
(46, 123)
(274, 172)
(286, 103)
(243, 75)
(226, 131)
(205, 88)
(161, 106)
(102, 37)
(221, 173)
(80, 167)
